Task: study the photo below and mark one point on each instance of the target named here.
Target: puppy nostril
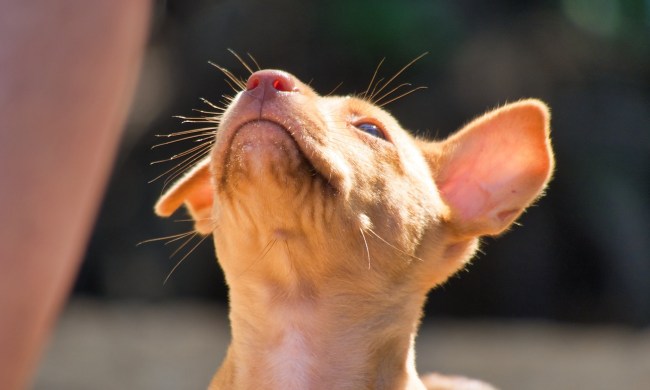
(252, 83)
(277, 84)
(277, 80)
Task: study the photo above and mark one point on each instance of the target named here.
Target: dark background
(583, 252)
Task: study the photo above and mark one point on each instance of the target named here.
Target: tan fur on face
(330, 238)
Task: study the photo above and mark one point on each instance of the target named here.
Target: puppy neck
(332, 333)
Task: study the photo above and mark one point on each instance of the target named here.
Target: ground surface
(178, 346)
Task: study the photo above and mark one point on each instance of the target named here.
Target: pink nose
(276, 80)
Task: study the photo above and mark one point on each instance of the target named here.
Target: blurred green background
(583, 252)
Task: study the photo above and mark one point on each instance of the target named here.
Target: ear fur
(194, 190)
(493, 168)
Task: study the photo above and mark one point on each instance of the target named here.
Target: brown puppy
(332, 223)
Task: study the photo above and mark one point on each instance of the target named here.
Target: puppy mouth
(309, 160)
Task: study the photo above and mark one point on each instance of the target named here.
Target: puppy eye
(371, 129)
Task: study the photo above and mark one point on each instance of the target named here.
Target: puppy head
(333, 187)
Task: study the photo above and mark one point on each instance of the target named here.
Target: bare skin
(332, 223)
(67, 74)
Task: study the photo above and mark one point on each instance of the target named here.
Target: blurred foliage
(583, 251)
(366, 27)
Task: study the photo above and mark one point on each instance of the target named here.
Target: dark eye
(371, 129)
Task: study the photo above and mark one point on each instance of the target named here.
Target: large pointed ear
(494, 167)
(194, 190)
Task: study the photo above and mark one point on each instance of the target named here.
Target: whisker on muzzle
(186, 255)
(365, 243)
(393, 246)
(265, 251)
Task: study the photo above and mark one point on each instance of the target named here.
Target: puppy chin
(264, 163)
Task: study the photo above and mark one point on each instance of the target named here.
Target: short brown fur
(330, 238)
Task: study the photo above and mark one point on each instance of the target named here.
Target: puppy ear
(194, 190)
(495, 167)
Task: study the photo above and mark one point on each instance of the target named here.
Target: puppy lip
(296, 136)
(260, 120)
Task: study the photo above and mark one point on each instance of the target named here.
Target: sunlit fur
(330, 238)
